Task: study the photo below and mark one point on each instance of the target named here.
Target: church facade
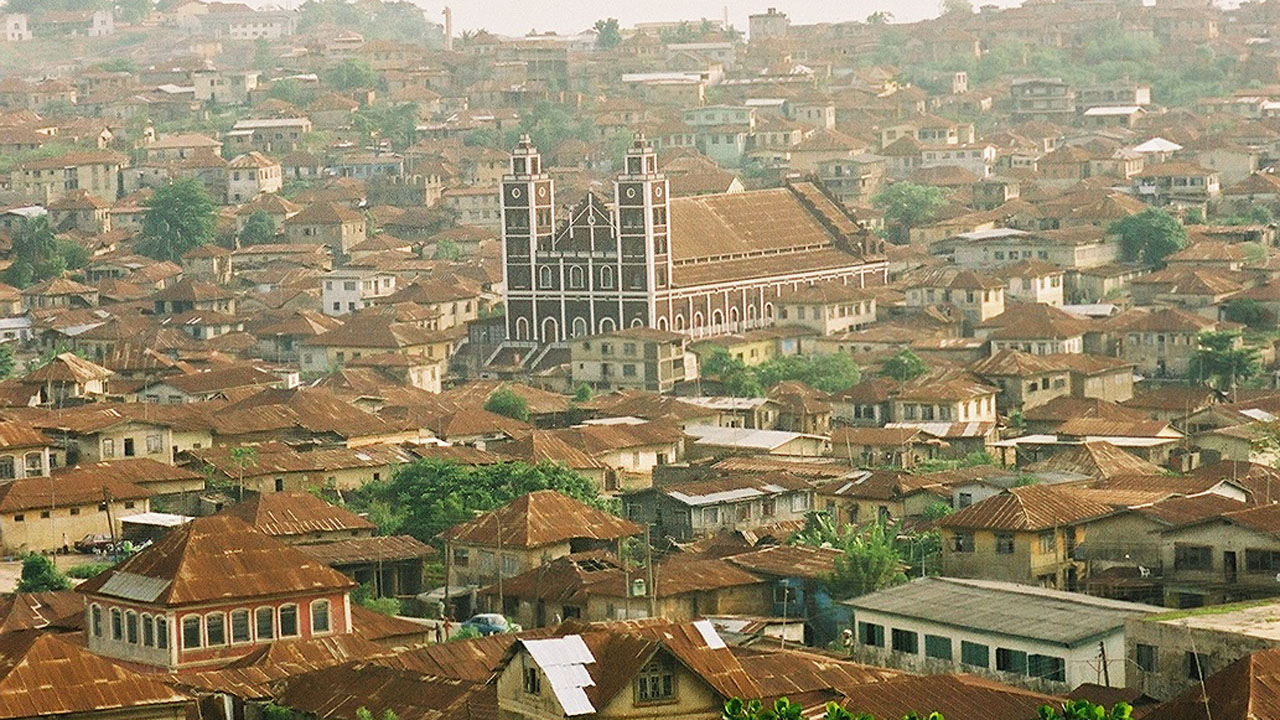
(703, 266)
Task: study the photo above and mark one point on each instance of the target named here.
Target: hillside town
(358, 365)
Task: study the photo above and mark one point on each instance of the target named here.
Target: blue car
(490, 624)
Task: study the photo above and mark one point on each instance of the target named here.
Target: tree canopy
(607, 33)
(504, 401)
(38, 254)
(784, 709)
(180, 217)
(258, 229)
(871, 557)
(39, 574)
(831, 373)
(426, 497)
(350, 74)
(907, 205)
(1222, 361)
(904, 365)
(1149, 236)
(737, 379)
(374, 19)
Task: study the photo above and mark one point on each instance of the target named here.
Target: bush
(39, 574)
(504, 401)
(88, 570)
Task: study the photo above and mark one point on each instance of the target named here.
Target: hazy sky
(517, 17)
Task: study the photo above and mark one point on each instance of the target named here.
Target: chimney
(448, 29)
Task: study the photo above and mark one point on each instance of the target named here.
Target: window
(905, 641)
(532, 679)
(1004, 543)
(6, 468)
(1262, 561)
(1047, 544)
(215, 626)
(799, 502)
(711, 516)
(964, 500)
(461, 556)
(975, 654)
(155, 443)
(1192, 557)
(95, 620)
(162, 633)
(1047, 667)
(320, 616)
(117, 624)
(1197, 666)
(936, 646)
(288, 621)
(264, 618)
(1145, 657)
(241, 632)
(190, 632)
(510, 565)
(656, 681)
(108, 448)
(128, 447)
(148, 632)
(1011, 661)
(131, 627)
(962, 542)
(768, 506)
(871, 634)
(34, 464)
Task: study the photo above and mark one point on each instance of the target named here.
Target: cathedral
(703, 266)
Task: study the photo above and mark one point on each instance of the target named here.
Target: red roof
(541, 518)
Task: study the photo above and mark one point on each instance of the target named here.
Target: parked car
(490, 624)
(94, 542)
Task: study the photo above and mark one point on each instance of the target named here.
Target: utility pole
(1106, 671)
(651, 584)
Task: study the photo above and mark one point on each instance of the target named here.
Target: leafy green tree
(504, 401)
(426, 497)
(907, 205)
(448, 250)
(549, 124)
(38, 254)
(6, 361)
(363, 713)
(39, 574)
(1085, 710)
(291, 91)
(258, 229)
(1149, 236)
(180, 217)
(374, 19)
(365, 597)
(1222, 361)
(738, 380)
(351, 74)
(396, 123)
(133, 11)
(880, 17)
(272, 711)
(871, 558)
(583, 393)
(904, 365)
(830, 373)
(607, 34)
(955, 7)
(1248, 312)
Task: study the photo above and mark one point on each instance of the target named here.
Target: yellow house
(44, 514)
(1025, 535)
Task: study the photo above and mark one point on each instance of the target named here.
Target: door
(1229, 565)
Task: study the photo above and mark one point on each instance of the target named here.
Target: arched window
(550, 330)
(697, 321)
(320, 616)
(607, 325)
(131, 627)
(544, 276)
(162, 632)
(606, 277)
(751, 314)
(580, 327)
(768, 311)
(522, 328)
(241, 632)
(637, 322)
(717, 321)
(288, 621)
(734, 315)
(117, 624)
(95, 619)
(148, 632)
(215, 627)
(265, 623)
(679, 323)
(576, 277)
(662, 323)
(190, 632)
